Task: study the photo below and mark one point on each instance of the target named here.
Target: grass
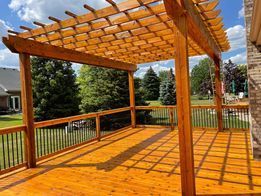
(194, 101)
(10, 120)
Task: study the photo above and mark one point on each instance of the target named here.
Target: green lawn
(10, 120)
(194, 101)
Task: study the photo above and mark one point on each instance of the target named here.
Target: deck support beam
(132, 98)
(184, 108)
(218, 94)
(27, 108)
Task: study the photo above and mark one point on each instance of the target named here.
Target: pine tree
(55, 91)
(168, 90)
(150, 84)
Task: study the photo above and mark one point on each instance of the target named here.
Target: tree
(104, 89)
(237, 73)
(241, 78)
(150, 84)
(168, 90)
(229, 74)
(55, 92)
(163, 75)
(201, 77)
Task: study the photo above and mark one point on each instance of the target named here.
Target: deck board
(143, 161)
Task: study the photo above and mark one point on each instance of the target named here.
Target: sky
(14, 13)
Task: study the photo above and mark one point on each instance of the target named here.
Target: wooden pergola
(120, 37)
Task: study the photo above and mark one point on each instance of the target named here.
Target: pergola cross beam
(21, 45)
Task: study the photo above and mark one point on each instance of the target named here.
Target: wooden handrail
(193, 106)
(153, 107)
(107, 112)
(78, 117)
(236, 106)
(12, 129)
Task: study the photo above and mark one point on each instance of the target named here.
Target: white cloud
(157, 67)
(31, 10)
(4, 26)
(240, 58)
(241, 13)
(195, 60)
(237, 37)
(8, 59)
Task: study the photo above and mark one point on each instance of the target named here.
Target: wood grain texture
(27, 109)
(184, 107)
(218, 94)
(143, 162)
(132, 31)
(132, 98)
(21, 45)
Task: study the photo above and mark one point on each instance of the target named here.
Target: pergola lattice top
(134, 31)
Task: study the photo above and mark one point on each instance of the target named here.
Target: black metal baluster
(8, 150)
(4, 152)
(13, 153)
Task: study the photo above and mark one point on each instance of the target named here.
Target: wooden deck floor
(143, 161)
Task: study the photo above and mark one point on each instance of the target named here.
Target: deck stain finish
(143, 161)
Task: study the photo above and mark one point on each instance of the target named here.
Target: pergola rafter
(120, 37)
(130, 31)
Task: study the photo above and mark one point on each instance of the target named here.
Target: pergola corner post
(27, 109)
(184, 107)
(132, 98)
(218, 94)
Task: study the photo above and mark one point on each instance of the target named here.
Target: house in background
(10, 90)
(253, 31)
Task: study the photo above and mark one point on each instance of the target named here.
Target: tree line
(59, 92)
(233, 76)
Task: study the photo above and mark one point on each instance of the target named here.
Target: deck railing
(235, 117)
(55, 136)
(59, 135)
(12, 153)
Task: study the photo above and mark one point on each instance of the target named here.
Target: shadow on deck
(144, 161)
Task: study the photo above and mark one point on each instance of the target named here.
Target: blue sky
(14, 13)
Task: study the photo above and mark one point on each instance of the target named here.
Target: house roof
(133, 31)
(3, 93)
(9, 79)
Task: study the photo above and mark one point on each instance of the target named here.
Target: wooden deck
(143, 161)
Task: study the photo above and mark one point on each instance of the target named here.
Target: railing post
(171, 117)
(218, 94)
(27, 109)
(98, 127)
(132, 98)
(184, 107)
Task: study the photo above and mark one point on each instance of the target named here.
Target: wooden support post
(132, 98)
(27, 108)
(218, 94)
(98, 127)
(171, 117)
(184, 107)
